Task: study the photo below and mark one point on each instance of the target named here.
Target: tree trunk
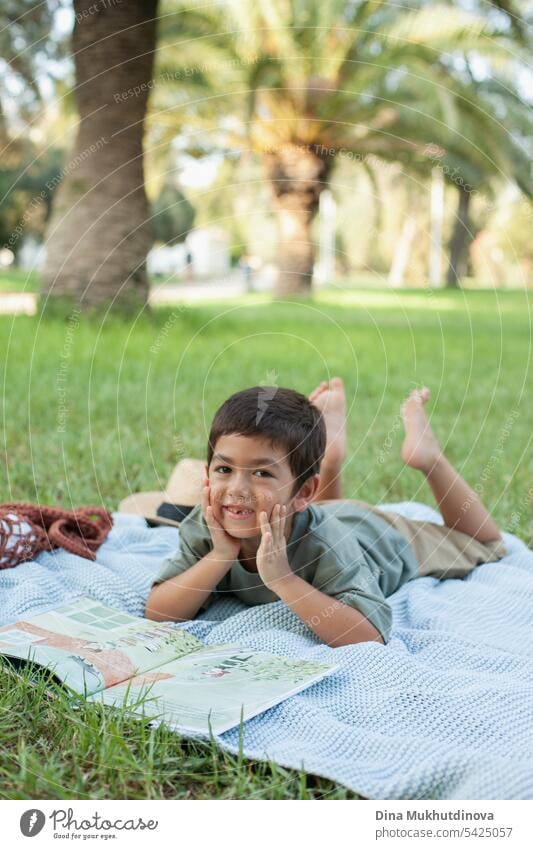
(459, 240)
(99, 232)
(402, 252)
(436, 219)
(298, 176)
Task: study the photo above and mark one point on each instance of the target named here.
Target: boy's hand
(225, 546)
(271, 558)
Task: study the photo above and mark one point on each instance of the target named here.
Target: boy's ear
(306, 493)
(206, 467)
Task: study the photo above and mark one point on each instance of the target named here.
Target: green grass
(16, 280)
(137, 396)
(111, 756)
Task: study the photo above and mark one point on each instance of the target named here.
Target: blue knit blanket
(444, 711)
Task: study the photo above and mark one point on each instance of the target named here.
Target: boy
(272, 523)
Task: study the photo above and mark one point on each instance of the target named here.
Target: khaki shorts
(440, 551)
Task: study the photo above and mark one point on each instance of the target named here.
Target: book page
(90, 646)
(214, 685)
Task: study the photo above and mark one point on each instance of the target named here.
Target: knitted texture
(27, 529)
(443, 711)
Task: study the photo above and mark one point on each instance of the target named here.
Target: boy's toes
(414, 399)
(419, 394)
(422, 395)
(317, 391)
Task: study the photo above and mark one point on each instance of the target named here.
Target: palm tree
(99, 232)
(497, 128)
(313, 81)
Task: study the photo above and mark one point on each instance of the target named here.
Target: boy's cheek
(267, 502)
(216, 504)
(216, 497)
(218, 511)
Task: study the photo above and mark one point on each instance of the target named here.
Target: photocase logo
(266, 394)
(32, 822)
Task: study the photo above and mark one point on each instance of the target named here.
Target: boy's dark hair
(284, 416)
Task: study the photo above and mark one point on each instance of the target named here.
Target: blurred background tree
(32, 53)
(301, 85)
(172, 215)
(276, 102)
(99, 232)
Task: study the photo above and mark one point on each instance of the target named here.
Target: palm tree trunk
(298, 175)
(99, 232)
(459, 241)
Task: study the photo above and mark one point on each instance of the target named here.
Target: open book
(156, 669)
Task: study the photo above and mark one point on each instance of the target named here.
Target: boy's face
(247, 475)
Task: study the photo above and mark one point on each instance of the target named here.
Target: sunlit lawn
(93, 411)
(17, 280)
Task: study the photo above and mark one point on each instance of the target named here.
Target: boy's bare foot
(420, 448)
(331, 401)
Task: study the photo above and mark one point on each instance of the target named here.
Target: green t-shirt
(341, 548)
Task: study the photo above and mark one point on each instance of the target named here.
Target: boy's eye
(224, 469)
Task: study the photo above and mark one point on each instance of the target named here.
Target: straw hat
(170, 507)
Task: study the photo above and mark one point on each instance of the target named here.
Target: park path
(17, 303)
(230, 286)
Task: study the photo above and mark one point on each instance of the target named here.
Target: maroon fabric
(81, 531)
